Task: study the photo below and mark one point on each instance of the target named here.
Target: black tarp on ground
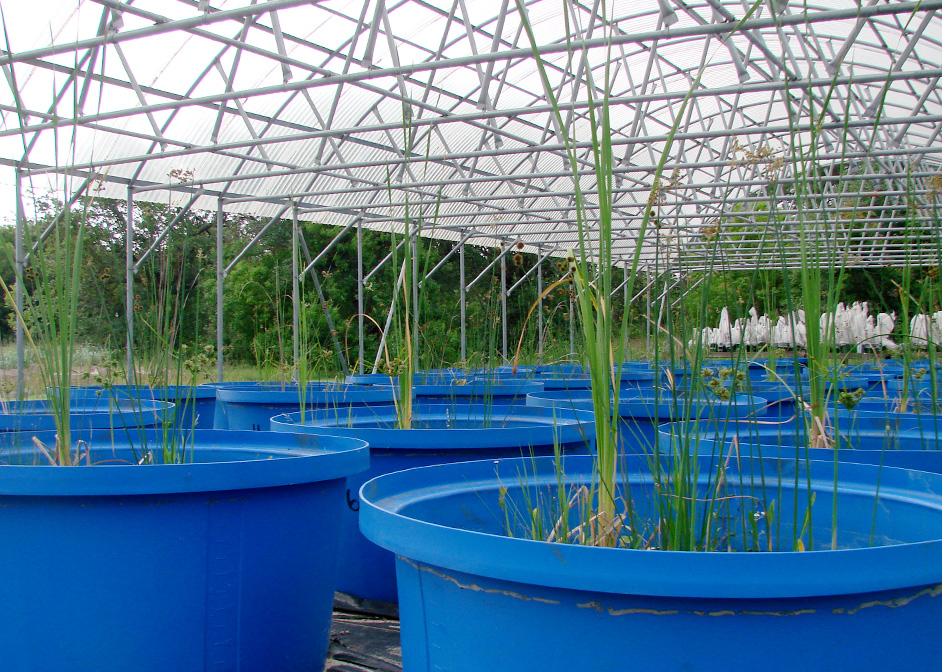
(364, 637)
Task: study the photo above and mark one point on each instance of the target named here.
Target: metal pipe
(660, 312)
(416, 308)
(519, 282)
(320, 295)
(503, 305)
(572, 328)
(647, 335)
(129, 287)
(462, 304)
(521, 179)
(285, 61)
(624, 285)
(220, 279)
(383, 261)
(164, 27)
(389, 318)
(361, 304)
(55, 220)
(503, 254)
(626, 305)
(448, 159)
(445, 258)
(295, 295)
(163, 234)
(20, 270)
(256, 238)
(688, 289)
(539, 294)
(331, 245)
(607, 42)
(552, 211)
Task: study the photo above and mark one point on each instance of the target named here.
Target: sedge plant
(50, 321)
(408, 287)
(686, 514)
(590, 268)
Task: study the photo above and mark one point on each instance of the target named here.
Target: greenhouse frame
(636, 308)
(368, 114)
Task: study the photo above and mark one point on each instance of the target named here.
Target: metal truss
(764, 122)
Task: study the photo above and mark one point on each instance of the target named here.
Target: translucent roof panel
(824, 111)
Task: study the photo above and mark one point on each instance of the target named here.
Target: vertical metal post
(320, 295)
(539, 307)
(415, 317)
(295, 292)
(572, 326)
(503, 306)
(389, 319)
(660, 312)
(462, 303)
(647, 338)
(20, 270)
(129, 286)
(361, 304)
(625, 301)
(220, 278)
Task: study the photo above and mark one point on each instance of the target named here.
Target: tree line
(175, 291)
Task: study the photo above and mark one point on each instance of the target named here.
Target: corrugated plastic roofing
(351, 110)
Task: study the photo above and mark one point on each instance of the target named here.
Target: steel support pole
(503, 253)
(383, 261)
(258, 236)
(320, 295)
(572, 328)
(163, 234)
(539, 308)
(55, 221)
(129, 286)
(539, 260)
(683, 278)
(220, 279)
(389, 319)
(20, 270)
(503, 306)
(331, 245)
(295, 292)
(444, 259)
(361, 304)
(647, 336)
(660, 311)
(416, 309)
(627, 304)
(463, 305)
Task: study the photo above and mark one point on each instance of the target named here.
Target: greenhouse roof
(761, 119)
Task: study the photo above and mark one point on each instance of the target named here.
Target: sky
(36, 22)
(7, 197)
